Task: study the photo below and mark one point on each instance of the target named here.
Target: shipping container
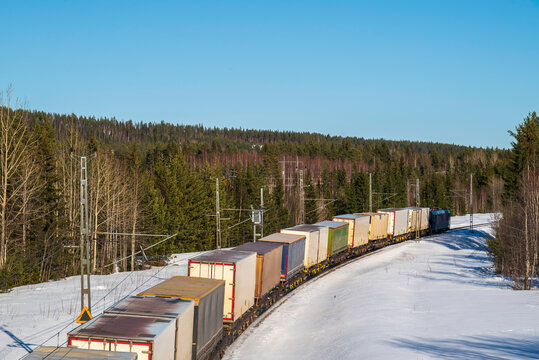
(358, 228)
(268, 264)
(337, 236)
(397, 221)
(315, 247)
(439, 220)
(62, 353)
(292, 255)
(208, 296)
(378, 225)
(182, 311)
(151, 338)
(425, 214)
(414, 219)
(238, 269)
(420, 219)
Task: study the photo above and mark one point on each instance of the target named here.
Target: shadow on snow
(474, 347)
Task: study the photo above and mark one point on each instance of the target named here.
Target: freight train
(197, 316)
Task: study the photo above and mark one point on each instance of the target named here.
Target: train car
(439, 220)
(378, 225)
(181, 311)
(293, 254)
(358, 229)
(238, 269)
(422, 217)
(315, 247)
(208, 296)
(151, 338)
(337, 237)
(414, 219)
(397, 225)
(62, 353)
(268, 265)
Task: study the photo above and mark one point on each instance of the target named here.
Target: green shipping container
(337, 236)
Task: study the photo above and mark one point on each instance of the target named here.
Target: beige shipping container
(414, 219)
(358, 228)
(378, 225)
(268, 264)
(425, 211)
(238, 269)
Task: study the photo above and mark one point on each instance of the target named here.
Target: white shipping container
(151, 338)
(323, 244)
(398, 221)
(425, 211)
(420, 218)
(312, 243)
(237, 269)
(182, 311)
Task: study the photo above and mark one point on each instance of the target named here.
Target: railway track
(233, 331)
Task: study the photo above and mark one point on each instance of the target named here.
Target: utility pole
(284, 174)
(217, 216)
(84, 238)
(471, 203)
(261, 212)
(417, 192)
(370, 192)
(301, 199)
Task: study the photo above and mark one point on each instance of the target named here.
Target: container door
(227, 273)
(197, 269)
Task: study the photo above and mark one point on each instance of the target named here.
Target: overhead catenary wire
(140, 251)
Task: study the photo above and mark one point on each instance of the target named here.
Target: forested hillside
(160, 178)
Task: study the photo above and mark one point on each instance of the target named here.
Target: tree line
(516, 246)
(159, 178)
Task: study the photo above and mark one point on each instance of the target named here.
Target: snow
(33, 314)
(436, 298)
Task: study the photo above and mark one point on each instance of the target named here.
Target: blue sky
(460, 72)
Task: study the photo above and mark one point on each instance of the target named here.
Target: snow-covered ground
(35, 313)
(433, 299)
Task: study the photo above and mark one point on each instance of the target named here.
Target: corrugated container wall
(397, 221)
(181, 311)
(151, 338)
(238, 269)
(337, 236)
(425, 214)
(55, 353)
(268, 265)
(378, 225)
(315, 247)
(293, 252)
(414, 219)
(208, 296)
(358, 228)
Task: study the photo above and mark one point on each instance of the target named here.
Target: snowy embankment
(433, 298)
(30, 315)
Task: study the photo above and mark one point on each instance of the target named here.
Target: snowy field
(33, 314)
(433, 299)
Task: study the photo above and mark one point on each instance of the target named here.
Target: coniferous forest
(159, 178)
